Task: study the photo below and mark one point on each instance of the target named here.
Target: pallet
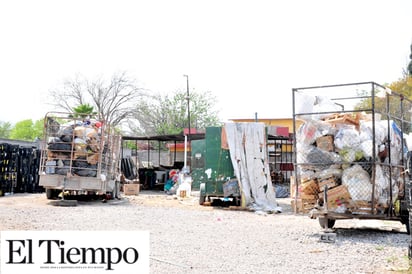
(303, 205)
(338, 118)
(329, 182)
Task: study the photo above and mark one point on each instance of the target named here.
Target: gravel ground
(188, 238)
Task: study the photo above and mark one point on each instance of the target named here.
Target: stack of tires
(19, 169)
(28, 172)
(75, 149)
(8, 168)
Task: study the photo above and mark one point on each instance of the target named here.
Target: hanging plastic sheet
(248, 152)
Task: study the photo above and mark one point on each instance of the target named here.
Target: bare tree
(114, 100)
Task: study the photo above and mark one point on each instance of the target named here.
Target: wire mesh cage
(81, 150)
(351, 149)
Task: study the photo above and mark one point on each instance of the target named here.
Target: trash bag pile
(335, 153)
(74, 150)
(179, 183)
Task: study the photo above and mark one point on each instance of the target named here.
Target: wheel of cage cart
(202, 196)
(408, 225)
(326, 223)
(405, 208)
(408, 197)
(408, 202)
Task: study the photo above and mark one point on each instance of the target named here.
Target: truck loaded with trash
(80, 155)
(352, 152)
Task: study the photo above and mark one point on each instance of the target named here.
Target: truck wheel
(202, 195)
(326, 223)
(408, 226)
(52, 194)
(202, 199)
(64, 203)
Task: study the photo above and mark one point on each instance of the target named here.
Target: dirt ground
(186, 237)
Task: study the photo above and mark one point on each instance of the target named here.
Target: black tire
(406, 220)
(64, 203)
(202, 199)
(52, 194)
(202, 196)
(326, 223)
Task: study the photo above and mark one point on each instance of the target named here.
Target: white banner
(80, 252)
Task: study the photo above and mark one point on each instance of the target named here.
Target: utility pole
(188, 101)
(187, 138)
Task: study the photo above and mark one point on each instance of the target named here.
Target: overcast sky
(249, 54)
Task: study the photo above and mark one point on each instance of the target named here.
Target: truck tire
(405, 213)
(202, 195)
(52, 194)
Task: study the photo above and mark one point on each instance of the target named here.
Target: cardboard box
(337, 196)
(310, 187)
(312, 197)
(360, 207)
(131, 189)
(325, 143)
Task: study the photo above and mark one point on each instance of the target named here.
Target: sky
(248, 54)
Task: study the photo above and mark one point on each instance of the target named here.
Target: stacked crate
(311, 190)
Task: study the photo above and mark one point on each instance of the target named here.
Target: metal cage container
(351, 147)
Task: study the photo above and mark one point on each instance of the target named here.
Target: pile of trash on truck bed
(74, 149)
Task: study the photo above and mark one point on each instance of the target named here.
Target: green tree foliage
(398, 108)
(402, 86)
(5, 128)
(83, 110)
(26, 130)
(168, 114)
